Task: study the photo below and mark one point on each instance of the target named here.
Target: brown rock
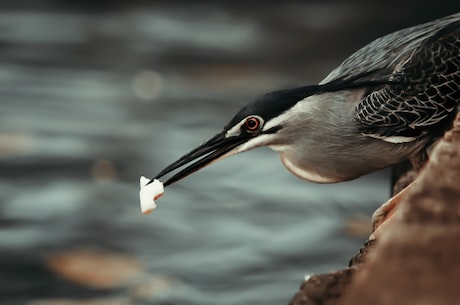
(323, 289)
(417, 257)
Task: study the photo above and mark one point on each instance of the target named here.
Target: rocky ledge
(416, 257)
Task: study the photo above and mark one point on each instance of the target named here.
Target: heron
(388, 102)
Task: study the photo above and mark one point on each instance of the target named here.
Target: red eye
(252, 123)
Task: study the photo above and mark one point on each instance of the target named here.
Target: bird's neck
(306, 174)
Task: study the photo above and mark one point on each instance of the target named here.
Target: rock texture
(323, 289)
(416, 259)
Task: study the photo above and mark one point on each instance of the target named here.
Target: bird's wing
(416, 72)
(383, 54)
(424, 89)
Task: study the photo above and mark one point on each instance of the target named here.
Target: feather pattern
(419, 69)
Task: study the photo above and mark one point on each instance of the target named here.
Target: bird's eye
(252, 123)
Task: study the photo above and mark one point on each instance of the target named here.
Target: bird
(387, 102)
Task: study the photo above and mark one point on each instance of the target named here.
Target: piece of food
(149, 193)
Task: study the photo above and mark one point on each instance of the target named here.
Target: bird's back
(412, 81)
(383, 54)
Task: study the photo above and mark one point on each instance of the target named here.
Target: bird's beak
(212, 150)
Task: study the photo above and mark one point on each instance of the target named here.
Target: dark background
(95, 93)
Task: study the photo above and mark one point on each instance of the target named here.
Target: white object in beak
(149, 193)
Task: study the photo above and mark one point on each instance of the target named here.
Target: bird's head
(257, 124)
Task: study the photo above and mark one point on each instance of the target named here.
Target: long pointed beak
(212, 150)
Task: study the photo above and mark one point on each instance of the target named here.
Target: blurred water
(90, 100)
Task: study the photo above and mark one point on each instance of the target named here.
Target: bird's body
(335, 151)
(404, 87)
(387, 102)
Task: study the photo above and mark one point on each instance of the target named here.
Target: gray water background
(95, 94)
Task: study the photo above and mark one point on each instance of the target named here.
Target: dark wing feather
(384, 54)
(412, 76)
(424, 90)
